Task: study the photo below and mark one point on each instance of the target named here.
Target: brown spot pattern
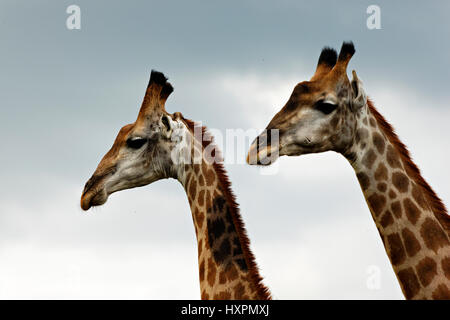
(201, 271)
(392, 158)
(200, 247)
(378, 141)
(441, 293)
(382, 187)
(411, 210)
(239, 292)
(412, 245)
(364, 180)
(433, 235)
(377, 203)
(222, 278)
(209, 176)
(387, 219)
(200, 218)
(208, 199)
(224, 295)
(427, 270)
(201, 198)
(418, 196)
(392, 194)
(400, 181)
(397, 251)
(193, 189)
(211, 272)
(232, 273)
(409, 282)
(381, 174)
(369, 158)
(396, 208)
(446, 266)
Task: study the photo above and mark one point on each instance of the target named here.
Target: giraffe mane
(435, 202)
(224, 181)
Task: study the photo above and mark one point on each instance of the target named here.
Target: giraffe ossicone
(159, 145)
(332, 113)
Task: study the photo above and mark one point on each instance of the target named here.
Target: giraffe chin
(93, 199)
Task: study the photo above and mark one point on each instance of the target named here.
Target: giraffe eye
(325, 107)
(136, 143)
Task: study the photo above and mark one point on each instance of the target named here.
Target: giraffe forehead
(308, 92)
(124, 131)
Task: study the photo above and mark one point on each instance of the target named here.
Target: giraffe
(159, 145)
(332, 113)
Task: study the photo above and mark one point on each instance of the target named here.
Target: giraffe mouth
(262, 156)
(93, 199)
(94, 193)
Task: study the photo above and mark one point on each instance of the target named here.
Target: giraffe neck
(226, 265)
(403, 207)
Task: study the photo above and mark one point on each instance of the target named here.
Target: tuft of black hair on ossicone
(347, 50)
(328, 56)
(159, 78)
(166, 90)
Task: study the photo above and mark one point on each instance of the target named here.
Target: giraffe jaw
(101, 186)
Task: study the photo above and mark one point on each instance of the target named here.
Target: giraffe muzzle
(94, 193)
(262, 151)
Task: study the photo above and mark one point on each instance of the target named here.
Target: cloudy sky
(65, 94)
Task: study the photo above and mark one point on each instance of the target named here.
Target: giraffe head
(142, 151)
(320, 114)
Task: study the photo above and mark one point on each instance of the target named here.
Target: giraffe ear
(359, 98)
